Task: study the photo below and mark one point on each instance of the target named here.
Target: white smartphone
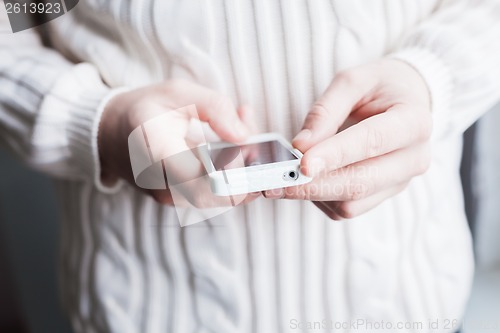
(263, 162)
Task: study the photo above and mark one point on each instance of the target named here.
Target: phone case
(253, 178)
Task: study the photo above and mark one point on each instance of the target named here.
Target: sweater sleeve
(49, 107)
(457, 52)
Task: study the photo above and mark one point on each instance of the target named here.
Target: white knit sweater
(272, 266)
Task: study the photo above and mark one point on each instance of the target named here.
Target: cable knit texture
(271, 266)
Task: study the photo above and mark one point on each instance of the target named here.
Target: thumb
(331, 110)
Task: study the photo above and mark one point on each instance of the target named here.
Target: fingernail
(303, 135)
(277, 193)
(314, 166)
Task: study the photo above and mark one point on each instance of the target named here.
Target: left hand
(160, 110)
(357, 168)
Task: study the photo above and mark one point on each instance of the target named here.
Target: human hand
(355, 169)
(127, 111)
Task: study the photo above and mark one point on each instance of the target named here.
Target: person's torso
(272, 265)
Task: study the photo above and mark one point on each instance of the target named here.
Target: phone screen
(251, 154)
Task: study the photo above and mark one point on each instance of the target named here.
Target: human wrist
(108, 141)
(412, 81)
(435, 73)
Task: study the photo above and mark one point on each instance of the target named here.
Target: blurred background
(28, 252)
(29, 239)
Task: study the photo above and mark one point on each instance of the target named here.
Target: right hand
(128, 110)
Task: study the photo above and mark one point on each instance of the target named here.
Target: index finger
(398, 127)
(331, 110)
(216, 109)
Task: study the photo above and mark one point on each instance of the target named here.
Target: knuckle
(332, 215)
(318, 112)
(304, 192)
(347, 77)
(329, 209)
(424, 128)
(375, 142)
(161, 197)
(310, 191)
(423, 166)
(357, 190)
(423, 161)
(336, 158)
(133, 119)
(196, 202)
(289, 193)
(347, 210)
(200, 201)
(157, 198)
